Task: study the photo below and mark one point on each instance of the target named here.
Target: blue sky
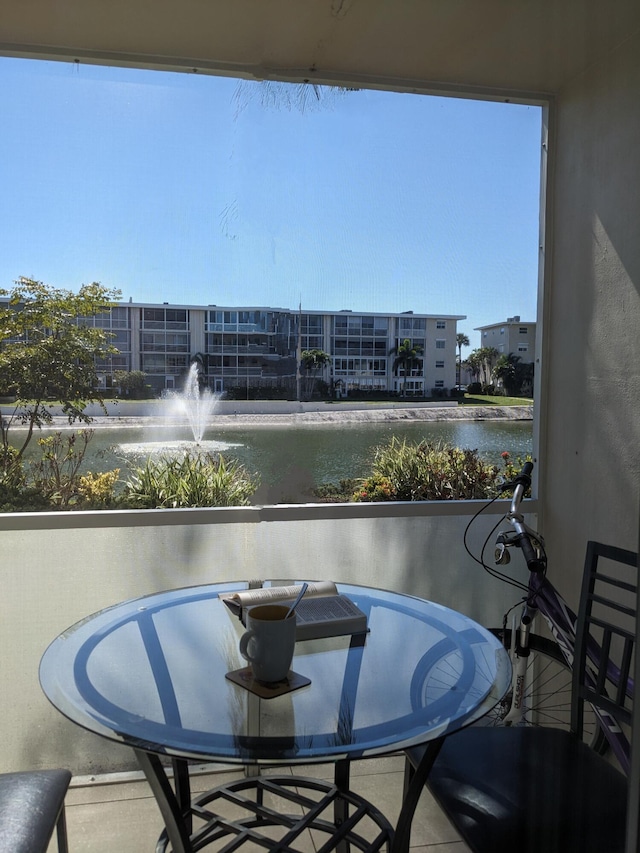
(199, 190)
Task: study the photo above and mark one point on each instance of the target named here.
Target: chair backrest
(605, 639)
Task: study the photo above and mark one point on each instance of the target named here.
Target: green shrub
(54, 481)
(97, 491)
(341, 492)
(12, 475)
(424, 471)
(57, 473)
(376, 488)
(439, 393)
(22, 499)
(198, 479)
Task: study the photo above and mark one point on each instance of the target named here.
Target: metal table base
(273, 812)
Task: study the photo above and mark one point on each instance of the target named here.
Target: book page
(279, 593)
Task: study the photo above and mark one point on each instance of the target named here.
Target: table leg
(413, 793)
(182, 788)
(170, 809)
(341, 808)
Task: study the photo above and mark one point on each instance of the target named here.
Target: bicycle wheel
(547, 698)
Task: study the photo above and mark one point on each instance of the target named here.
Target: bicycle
(541, 687)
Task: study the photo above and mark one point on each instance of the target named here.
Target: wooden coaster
(244, 677)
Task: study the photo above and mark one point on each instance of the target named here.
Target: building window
(441, 324)
(440, 343)
(439, 383)
(502, 331)
(407, 326)
(439, 363)
(523, 330)
(523, 348)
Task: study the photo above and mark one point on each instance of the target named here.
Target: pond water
(291, 461)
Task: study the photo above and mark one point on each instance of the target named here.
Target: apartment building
(252, 347)
(512, 336)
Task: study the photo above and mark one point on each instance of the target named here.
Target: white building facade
(259, 348)
(512, 336)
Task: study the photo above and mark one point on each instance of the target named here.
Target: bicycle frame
(543, 598)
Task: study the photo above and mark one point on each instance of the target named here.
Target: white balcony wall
(58, 568)
(589, 464)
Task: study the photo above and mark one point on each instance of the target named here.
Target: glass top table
(150, 673)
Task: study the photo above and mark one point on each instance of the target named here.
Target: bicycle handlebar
(520, 484)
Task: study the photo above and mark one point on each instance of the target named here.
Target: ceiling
(517, 47)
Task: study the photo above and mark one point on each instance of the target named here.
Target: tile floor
(114, 813)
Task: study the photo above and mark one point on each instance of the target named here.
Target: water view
(291, 461)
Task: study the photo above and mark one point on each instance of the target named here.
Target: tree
(488, 356)
(407, 356)
(48, 352)
(474, 364)
(516, 377)
(132, 383)
(505, 371)
(461, 341)
(313, 360)
(525, 374)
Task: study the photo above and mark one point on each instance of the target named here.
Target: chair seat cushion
(531, 790)
(30, 803)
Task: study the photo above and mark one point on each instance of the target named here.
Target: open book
(322, 611)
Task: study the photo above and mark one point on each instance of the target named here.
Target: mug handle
(244, 642)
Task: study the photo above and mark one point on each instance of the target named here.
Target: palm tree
(474, 364)
(408, 356)
(313, 360)
(506, 372)
(461, 341)
(488, 356)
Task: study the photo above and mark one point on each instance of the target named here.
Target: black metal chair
(543, 790)
(31, 807)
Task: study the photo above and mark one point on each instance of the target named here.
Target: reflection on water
(291, 461)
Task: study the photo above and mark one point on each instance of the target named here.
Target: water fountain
(197, 403)
(192, 405)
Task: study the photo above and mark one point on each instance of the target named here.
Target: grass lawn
(486, 400)
(467, 400)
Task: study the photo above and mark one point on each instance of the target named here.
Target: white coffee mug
(269, 642)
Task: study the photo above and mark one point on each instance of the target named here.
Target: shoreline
(352, 415)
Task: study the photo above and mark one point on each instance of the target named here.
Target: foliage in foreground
(49, 351)
(423, 471)
(54, 481)
(198, 479)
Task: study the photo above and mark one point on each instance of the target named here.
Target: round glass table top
(150, 673)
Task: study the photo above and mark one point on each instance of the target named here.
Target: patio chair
(31, 807)
(540, 789)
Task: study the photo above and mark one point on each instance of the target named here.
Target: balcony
(59, 567)
(582, 60)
